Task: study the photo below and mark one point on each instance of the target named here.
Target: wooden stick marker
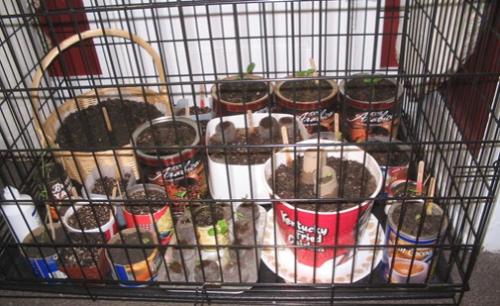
(251, 127)
(430, 194)
(106, 118)
(420, 177)
(336, 127)
(284, 137)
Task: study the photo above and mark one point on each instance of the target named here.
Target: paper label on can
(376, 125)
(164, 224)
(310, 120)
(46, 268)
(404, 262)
(60, 190)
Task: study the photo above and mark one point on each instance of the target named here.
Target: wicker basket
(79, 164)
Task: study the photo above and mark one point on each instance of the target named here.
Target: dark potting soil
(106, 184)
(194, 110)
(85, 216)
(388, 155)
(151, 202)
(306, 91)
(119, 255)
(239, 154)
(413, 218)
(243, 92)
(86, 129)
(359, 89)
(81, 255)
(350, 184)
(44, 238)
(166, 135)
(208, 215)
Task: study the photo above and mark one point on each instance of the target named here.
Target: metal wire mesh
(264, 243)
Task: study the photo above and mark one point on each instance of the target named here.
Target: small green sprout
(372, 80)
(305, 73)
(181, 194)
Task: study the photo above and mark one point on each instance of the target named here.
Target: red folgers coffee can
(149, 210)
(309, 100)
(234, 98)
(166, 163)
(372, 107)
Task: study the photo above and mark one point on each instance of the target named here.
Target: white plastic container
(20, 212)
(108, 229)
(109, 171)
(239, 175)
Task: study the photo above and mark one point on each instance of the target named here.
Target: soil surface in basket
(122, 255)
(388, 155)
(166, 135)
(153, 202)
(238, 154)
(81, 255)
(413, 217)
(194, 110)
(90, 216)
(208, 216)
(86, 129)
(353, 184)
(106, 184)
(306, 91)
(243, 92)
(360, 89)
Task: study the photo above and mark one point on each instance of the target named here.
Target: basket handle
(74, 39)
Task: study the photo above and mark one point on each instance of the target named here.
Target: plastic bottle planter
(224, 107)
(43, 260)
(149, 215)
(104, 174)
(136, 264)
(223, 177)
(171, 166)
(213, 227)
(89, 262)
(405, 246)
(400, 188)
(325, 230)
(87, 215)
(309, 109)
(367, 118)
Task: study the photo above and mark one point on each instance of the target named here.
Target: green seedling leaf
(239, 215)
(222, 227)
(211, 232)
(372, 80)
(146, 240)
(250, 68)
(305, 73)
(181, 194)
(418, 217)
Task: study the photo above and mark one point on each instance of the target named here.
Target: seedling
(248, 71)
(181, 194)
(373, 80)
(305, 73)
(221, 227)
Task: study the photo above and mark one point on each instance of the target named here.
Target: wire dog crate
(247, 151)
